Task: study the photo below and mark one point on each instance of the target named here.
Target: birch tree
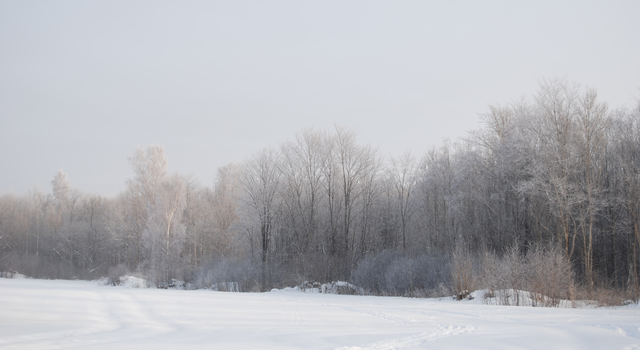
(150, 169)
(165, 232)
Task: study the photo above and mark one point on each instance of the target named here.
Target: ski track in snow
(416, 340)
(39, 314)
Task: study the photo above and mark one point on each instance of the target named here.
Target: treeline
(559, 172)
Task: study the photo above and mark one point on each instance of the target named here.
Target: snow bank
(134, 282)
(336, 287)
(104, 281)
(514, 297)
(341, 287)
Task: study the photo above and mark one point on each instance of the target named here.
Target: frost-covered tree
(260, 182)
(165, 233)
(402, 174)
(559, 171)
(150, 169)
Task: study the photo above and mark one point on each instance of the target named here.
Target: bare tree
(403, 177)
(260, 181)
(301, 190)
(224, 209)
(553, 172)
(353, 163)
(592, 122)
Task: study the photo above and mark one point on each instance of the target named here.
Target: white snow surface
(45, 314)
(134, 282)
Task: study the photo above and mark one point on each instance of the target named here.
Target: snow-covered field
(41, 314)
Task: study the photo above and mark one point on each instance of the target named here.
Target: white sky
(83, 83)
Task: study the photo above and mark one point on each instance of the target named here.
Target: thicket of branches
(560, 170)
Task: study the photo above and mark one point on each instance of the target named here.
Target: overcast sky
(84, 83)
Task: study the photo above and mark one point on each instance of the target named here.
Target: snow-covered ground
(41, 314)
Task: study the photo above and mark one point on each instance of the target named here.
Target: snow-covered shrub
(463, 266)
(463, 295)
(498, 275)
(441, 291)
(28, 264)
(551, 279)
(244, 275)
(226, 287)
(115, 272)
(104, 281)
(341, 287)
(541, 277)
(11, 274)
(336, 287)
(37, 267)
(399, 276)
(310, 287)
(371, 271)
(173, 284)
(393, 273)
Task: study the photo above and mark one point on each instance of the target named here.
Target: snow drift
(54, 314)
